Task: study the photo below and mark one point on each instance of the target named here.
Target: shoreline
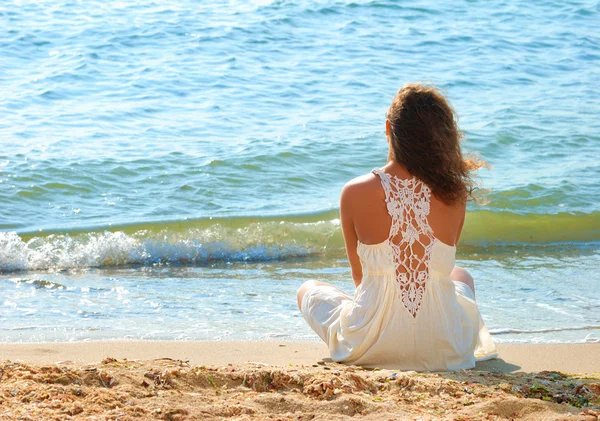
(568, 358)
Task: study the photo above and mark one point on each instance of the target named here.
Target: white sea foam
(110, 249)
(549, 330)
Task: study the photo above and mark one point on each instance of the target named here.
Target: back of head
(425, 139)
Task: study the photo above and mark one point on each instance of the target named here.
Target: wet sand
(572, 358)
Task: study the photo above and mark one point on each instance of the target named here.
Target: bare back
(366, 218)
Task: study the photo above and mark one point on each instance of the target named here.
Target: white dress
(407, 313)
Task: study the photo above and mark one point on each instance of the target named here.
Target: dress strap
(386, 183)
(385, 180)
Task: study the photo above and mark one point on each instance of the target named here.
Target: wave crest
(257, 239)
(194, 246)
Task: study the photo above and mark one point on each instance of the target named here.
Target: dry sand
(286, 381)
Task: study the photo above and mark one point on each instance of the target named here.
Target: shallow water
(154, 154)
(257, 300)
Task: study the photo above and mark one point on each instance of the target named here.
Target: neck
(397, 169)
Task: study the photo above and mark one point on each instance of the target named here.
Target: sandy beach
(286, 381)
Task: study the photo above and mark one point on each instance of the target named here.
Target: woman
(412, 308)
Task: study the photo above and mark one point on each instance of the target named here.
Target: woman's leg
(461, 275)
(305, 288)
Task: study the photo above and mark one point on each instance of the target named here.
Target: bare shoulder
(362, 187)
(447, 220)
(457, 208)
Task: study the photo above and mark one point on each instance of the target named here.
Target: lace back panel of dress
(411, 237)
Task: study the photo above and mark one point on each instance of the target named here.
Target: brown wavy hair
(425, 139)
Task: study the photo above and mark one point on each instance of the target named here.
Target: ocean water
(171, 170)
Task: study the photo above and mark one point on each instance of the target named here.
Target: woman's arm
(347, 204)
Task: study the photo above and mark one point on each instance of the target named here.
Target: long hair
(425, 139)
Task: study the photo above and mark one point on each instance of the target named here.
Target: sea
(171, 170)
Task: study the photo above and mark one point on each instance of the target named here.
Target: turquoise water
(182, 161)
